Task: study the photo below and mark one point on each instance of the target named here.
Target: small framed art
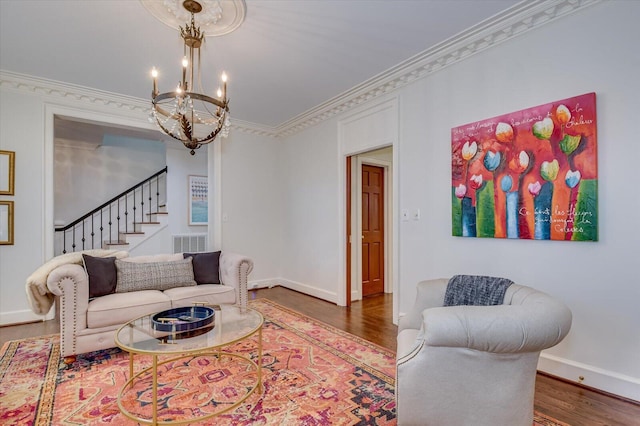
(198, 200)
(7, 172)
(6, 223)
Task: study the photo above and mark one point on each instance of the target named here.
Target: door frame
(373, 125)
(355, 220)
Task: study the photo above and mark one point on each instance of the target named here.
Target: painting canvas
(530, 174)
(198, 200)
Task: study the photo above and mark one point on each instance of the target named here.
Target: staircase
(122, 223)
(142, 231)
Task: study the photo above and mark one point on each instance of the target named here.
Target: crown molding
(523, 17)
(72, 92)
(253, 128)
(69, 91)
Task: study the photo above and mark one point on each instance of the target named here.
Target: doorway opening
(369, 218)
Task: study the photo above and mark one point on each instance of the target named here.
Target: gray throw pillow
(102, 275)
(134, 276)
(206, 267)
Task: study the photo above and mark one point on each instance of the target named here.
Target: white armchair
(474, 365)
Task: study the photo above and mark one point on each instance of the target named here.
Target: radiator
(189, 243)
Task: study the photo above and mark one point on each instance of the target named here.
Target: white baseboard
(23, 316)
(594, 377)
(297, 286)
(268, 283)
(312, 291)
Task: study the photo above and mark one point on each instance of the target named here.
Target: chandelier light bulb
(223, 95)
(185, 64)
(219, 92)
(154, 75)
(178, 89)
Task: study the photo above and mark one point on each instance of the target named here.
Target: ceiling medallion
(216, 18)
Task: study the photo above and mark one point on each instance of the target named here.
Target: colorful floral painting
(530, 174)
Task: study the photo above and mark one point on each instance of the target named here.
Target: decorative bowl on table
(178, 320)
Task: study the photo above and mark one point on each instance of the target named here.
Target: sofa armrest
(429, 294)
(539, 324)
(73, 272)
(70, 283)
(234, 271)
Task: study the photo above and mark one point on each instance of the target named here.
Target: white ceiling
(286, 58)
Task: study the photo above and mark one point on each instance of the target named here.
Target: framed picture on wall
(198, 200)
(530, 174)
(6, 223)
(7, 172)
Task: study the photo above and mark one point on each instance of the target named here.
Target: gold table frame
(138, 337)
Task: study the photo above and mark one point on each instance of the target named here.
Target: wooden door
(372, 230)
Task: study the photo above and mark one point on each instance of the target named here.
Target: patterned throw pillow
(134, 276)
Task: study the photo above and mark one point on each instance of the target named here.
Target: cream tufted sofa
(473, 365)
(89, 325)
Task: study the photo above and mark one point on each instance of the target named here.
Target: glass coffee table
(232, 324)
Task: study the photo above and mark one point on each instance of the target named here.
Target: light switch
(416, 214)
(405, 215)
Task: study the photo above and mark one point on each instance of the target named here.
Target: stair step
(116, 243)
(146, 223)
(150, 215)
(132, 233)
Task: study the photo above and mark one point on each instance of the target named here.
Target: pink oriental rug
(313, 374)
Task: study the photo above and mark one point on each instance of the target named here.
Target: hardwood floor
(371, 320)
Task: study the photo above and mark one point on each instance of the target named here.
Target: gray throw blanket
(475, 290)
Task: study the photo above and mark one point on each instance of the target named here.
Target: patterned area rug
(313, 374)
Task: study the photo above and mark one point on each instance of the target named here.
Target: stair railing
(76, 235)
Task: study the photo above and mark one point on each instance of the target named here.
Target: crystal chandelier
(192, 118)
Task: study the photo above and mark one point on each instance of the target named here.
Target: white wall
(181, 164)
(314, 196)
(252, 220)
(592, 50)
(21, 131)
(311, 234)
